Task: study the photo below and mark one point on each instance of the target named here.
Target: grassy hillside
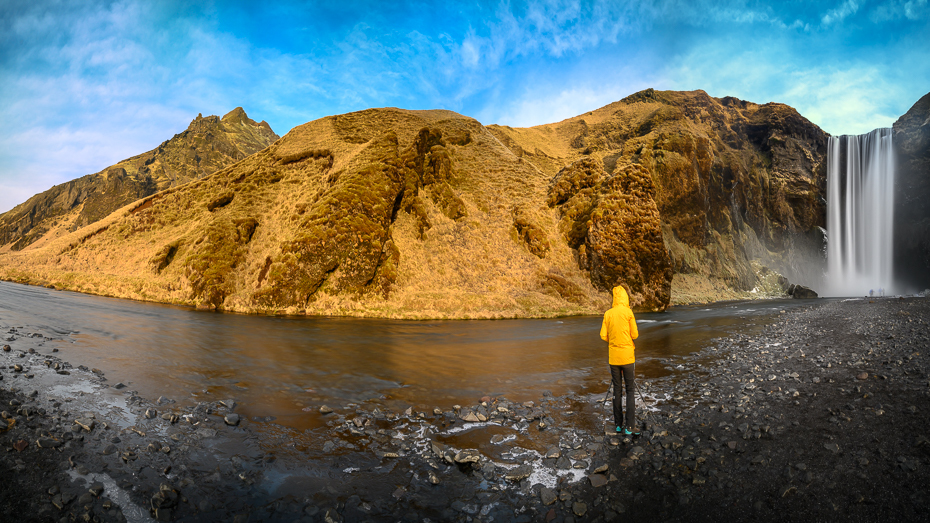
(429, 214)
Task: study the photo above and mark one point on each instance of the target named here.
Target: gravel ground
(821, 416)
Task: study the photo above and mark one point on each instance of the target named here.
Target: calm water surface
(287, 366)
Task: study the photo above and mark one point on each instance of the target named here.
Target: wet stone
(547, 496)
(231, 419)
(47, 443)
(467, 456)
(598, 480)
(579, 509)
(325, 410)
(518, 473)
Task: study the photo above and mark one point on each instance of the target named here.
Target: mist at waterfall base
(860, 215)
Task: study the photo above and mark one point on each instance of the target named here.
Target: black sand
(823, 416)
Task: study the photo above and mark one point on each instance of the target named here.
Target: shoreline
(716, 298)
(763, 426)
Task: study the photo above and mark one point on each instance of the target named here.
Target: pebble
(150, 413)
(467, 456)
(47, 443)
(547, 496)
(517, 473)
(597, 480)
(86, 424)
(325, 410)
(231, 419)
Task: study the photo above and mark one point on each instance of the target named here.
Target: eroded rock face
(911, 138)
(614, 223)
(208, 145)
(734, 181)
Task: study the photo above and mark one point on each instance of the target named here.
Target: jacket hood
(621, 297)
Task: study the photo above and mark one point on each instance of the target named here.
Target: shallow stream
(283, 369)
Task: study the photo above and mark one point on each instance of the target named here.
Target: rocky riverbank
(821, 416)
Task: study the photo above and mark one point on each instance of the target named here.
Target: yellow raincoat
(619, 329)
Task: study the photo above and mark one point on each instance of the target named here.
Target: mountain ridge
(207, 145)
(430, 214)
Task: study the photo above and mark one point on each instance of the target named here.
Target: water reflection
(286, 367)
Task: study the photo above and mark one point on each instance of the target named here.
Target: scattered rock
(517, 473)
(467, 456)
(547, 496)
(86, 424)
(597, 480)
(325, 410)
(231, 419)
(47, 443)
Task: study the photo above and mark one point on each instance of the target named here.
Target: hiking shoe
(620, 430)
(630, 431)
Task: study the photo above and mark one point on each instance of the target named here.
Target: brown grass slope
(208, 145)
(383, 212)
(429, 214)
(734, 182)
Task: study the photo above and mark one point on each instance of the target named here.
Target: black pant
(624, 373)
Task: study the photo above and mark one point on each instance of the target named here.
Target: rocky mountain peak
(208, 145)
(238, 115)
(200, 123)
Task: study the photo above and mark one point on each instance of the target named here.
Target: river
(283, 368)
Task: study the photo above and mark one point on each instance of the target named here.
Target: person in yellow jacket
(619, 330)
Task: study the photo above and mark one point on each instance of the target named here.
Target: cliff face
(208, 144)
(732, 182)
(911, 138)
(396, 213)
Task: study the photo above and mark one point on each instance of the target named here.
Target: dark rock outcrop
(733, 181)
(911, 140)
(613, 222)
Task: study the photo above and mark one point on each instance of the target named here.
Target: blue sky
(86, 84)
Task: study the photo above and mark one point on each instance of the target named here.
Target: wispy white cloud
(900, 9)
(851, 96)
(838, 14)
(90, 83)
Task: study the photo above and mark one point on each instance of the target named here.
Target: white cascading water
(860, 211)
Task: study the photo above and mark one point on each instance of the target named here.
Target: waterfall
(860, 210)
